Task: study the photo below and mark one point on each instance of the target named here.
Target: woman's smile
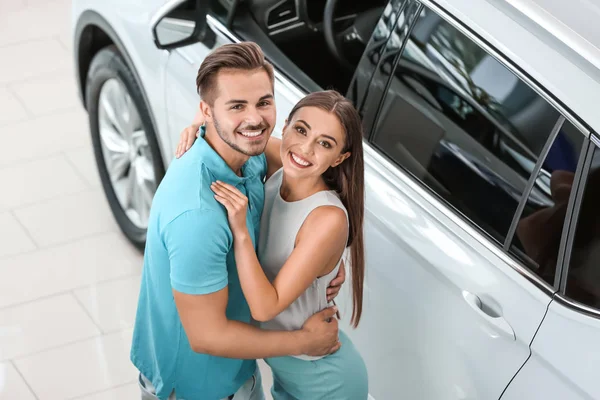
(298, 161)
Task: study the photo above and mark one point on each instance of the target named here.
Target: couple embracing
(245, 242)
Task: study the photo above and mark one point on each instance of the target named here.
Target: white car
(482, 166)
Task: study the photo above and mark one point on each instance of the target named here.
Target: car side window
(378, 61)
(583, 279)
(538, 230)
(463, 124)
(372, 56)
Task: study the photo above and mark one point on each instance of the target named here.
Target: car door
(566, 352)
(450, 309)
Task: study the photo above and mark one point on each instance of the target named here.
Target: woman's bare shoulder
(327, 220)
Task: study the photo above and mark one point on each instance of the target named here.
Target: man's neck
(233, 158)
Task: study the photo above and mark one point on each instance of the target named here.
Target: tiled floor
(68, 278)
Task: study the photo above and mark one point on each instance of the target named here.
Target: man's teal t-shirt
(189, 248)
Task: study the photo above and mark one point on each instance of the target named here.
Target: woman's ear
(343, 157)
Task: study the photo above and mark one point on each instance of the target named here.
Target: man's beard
(230, 143)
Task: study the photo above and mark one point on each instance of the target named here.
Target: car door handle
(497, 322)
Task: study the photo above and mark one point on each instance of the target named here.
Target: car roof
(556, 42)
(573, 22)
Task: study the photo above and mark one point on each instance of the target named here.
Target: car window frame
(371, 116)
(572, 205)
(579, 185)
(465, 223)
(531, 182)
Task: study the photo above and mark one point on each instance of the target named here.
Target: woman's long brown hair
(348, 180)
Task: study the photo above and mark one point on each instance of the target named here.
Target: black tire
(107, 64)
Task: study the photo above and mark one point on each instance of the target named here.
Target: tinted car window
(463, 124)
(583, 282)
(539, 230)
(373, 52)
(377, 62)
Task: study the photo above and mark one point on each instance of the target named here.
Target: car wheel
(124, 140)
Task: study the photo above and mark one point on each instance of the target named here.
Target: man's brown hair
(245, 56)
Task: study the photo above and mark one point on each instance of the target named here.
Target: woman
(314, 206)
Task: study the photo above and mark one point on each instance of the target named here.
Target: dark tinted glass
(377, 63)
(583, 283)
(361, 81)
(539, 230)
(463, 124)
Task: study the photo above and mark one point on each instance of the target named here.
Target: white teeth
(250, 133)
(300, 161)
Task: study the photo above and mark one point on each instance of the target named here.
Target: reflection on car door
(449, 315)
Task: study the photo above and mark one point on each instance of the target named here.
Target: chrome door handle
(497, 322)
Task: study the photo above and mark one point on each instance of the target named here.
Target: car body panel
(564, 361)
(421, 336)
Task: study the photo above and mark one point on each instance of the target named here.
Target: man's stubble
(233, 145)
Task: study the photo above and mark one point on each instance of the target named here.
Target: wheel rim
(126, 152)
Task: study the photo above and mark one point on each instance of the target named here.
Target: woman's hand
(236, 205)
(187, 139)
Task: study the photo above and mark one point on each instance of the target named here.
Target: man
(192, 337)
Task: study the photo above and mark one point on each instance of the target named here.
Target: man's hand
(320, 334)
(336, 284)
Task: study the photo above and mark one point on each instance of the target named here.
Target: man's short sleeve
(197, 242)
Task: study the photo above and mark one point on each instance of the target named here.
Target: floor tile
(127, 392)
(42, 18)
(36, 181)
(12, 6)
(12, 109)
(43, 324)
(65, 4)
(42, 96)
(25, 60)
(83, 368)
(12, 385)
(85, 163)
(132, 391)
(66, 40)
(67, 217)
(112, 305)
(58, 269)
(46, 136)
(13, 237)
